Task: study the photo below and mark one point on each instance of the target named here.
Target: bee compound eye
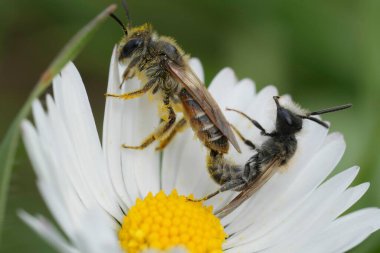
(170, 51)
(131, 46)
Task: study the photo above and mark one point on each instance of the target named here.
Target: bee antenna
(320, 122)
(332, 109)
(323, 111)
(119, 22)
(126, 9)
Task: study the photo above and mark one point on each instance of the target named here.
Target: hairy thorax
(154, 68)
(281, 148)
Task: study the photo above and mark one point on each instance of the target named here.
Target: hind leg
(162, 129)
(233, 185)
(246, 141)
(226, 174)
(179, 126)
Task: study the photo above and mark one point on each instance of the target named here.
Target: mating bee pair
(161, 62)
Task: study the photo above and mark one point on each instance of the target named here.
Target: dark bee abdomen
(206, 131)
(220, 170)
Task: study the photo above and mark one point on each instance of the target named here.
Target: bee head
(135, 37)
(135, 41)
(287, 122)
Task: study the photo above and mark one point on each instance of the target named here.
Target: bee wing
(201, 95)
(252, 188)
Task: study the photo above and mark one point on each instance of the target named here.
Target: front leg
(254, 122)
(134, 94)
(161, 130)
(128, 71)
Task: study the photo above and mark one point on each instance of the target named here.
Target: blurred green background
(322, 52)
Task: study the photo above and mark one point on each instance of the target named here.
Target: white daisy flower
(108, 199)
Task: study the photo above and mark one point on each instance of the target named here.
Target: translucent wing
(200, 94)
(252, 188)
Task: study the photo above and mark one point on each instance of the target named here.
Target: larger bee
(270, 156)
(162, 65)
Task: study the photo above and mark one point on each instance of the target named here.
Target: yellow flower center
(165, 221)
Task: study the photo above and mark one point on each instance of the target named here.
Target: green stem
(10, 142)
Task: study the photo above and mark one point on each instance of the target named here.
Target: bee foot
(194, 200)
(160, 147)
(131, 147)
(111, 95)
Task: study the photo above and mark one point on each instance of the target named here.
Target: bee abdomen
(222, 171)
(205, 129)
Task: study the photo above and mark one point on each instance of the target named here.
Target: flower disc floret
(166, 221)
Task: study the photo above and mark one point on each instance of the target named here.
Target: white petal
(196, 66)
(141, 168)
(192, 166)
(64, 155)
(262, 109)
(314, 214)
(32, 146)
(222, 85)
(242, 95)
(112, 133)
(50, 185)
(344, 233)
(77, 119)
(64, 177)
(172, 160)
(46, 230)
(94, 235)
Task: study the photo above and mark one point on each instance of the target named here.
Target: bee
(164, 69)
(269, 157)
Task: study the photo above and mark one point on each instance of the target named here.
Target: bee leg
(162, 129)
(233, 185)
(128, 71)
(246, 141)
(134, 94)
(206, 197)
(263, 132)
(143, 145)
(227, 175)
(180, 125)
(254, 122)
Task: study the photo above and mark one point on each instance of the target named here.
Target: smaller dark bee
(271, 155)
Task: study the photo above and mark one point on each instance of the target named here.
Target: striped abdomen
(205, 129)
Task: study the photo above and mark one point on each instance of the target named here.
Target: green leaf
(9, 143)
